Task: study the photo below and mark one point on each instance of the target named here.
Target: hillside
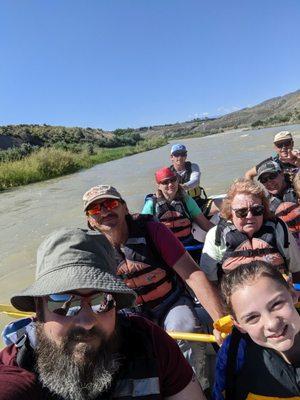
(279, 110)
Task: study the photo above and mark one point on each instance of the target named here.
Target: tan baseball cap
(100, 192)
(283, 135)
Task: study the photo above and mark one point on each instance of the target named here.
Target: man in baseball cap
(189, 177)
(286, 156)
(78, 347)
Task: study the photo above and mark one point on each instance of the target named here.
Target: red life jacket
(140, 265)
(289, 213)
(242, 250)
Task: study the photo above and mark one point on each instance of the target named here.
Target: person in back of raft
(79, 347)
(176, 210)
(261, 358)
(189, 177)
(246, 232)
(286, 156)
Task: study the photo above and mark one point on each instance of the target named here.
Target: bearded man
(79, 347)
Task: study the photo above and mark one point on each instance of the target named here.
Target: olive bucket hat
(72, 259)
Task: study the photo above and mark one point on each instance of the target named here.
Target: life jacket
(197, 193)
(187, 173)
(290, 214)
(138, 377)
(246, 371)
(287, 209)
(289, 196)
(241, 250)
(140, 265)
(175, 216)
(185, 177)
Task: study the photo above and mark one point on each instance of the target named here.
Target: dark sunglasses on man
(268, 177)
(70, 304)
(284, 143)
(256, 211)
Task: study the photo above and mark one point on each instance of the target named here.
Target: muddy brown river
(28, 214)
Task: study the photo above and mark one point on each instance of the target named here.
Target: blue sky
(130, 63)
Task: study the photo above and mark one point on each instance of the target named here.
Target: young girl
(261, 359)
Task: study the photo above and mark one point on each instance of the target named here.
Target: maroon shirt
(174, 371)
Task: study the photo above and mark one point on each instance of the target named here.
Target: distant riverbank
(48, 163)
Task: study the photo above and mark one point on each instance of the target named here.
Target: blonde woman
(248, 232)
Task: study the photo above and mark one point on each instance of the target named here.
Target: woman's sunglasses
(243, 212)
(283, 143)
(68, 304)
(268, 177)
(109, 205)
(167, 181)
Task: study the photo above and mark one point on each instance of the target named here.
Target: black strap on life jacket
(250, 253)
(220, 228)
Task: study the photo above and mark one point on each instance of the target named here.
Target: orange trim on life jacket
(154, 275)
(274, 257)
(289, 213)
(180, 226)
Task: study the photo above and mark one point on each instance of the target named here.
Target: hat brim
(267, 171)
(68, 279)
(101, 196)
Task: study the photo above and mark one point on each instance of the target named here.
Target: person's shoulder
(8, 355)
(153, 226)
(17, 383)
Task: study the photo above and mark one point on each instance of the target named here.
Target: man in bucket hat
(78, 347)
(153, 262)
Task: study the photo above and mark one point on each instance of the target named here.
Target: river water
(30, 213)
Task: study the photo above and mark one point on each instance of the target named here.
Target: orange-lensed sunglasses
(109, 204)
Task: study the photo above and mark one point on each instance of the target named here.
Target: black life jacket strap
(219, 231)
(250, 253)
(148, 288)
(136, 274)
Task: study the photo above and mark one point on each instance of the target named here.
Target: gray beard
(72, 379)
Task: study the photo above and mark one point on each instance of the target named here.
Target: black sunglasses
(179, 153)
(268, 177)
(69, 304)
(283, 143)
(256, 211)
(167, 181)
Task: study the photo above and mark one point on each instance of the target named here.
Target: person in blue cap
(189, 177)
(189, 172)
